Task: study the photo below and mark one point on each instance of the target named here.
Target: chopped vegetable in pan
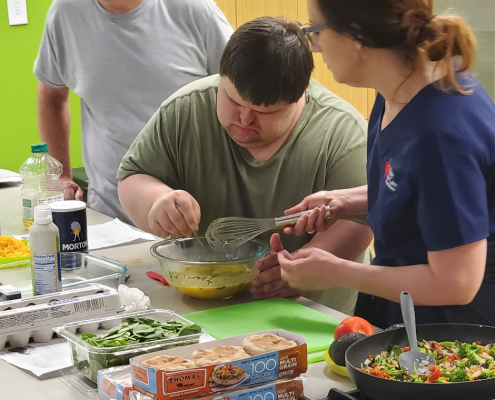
(455, 362)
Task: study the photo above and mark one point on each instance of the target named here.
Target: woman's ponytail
(453, 46)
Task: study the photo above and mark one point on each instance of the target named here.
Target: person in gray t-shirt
(122, 58)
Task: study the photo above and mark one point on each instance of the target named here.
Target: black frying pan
(385, 389)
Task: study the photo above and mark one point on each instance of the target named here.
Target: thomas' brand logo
(75, 227)
(108, 388)
(184, 381)
(389, 177)
(177, 379)
(140, 374)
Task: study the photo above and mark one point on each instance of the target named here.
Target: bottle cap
(42, 215)
(67, 205)
(39, 148)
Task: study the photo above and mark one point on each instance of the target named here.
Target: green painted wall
(18, 127)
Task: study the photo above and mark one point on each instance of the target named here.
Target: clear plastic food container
(78, 270)
(89, 359)
(82, 268)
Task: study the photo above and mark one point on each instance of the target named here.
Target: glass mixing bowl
(191, 266)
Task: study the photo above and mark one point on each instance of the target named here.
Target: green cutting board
(262, 315)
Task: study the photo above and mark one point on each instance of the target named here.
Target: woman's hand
(317, 221)
(309, 269)
(268, 283)
(174, 213)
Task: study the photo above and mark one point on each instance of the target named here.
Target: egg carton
(51, 297)
(115, 383)
(36, 317)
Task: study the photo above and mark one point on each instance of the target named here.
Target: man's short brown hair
(269, 61)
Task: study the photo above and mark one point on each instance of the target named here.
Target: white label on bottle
(27, 208)
(45, 273)
(29, 204)
(49, 200)
(27, 213)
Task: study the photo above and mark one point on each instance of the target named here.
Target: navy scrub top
(431, 187)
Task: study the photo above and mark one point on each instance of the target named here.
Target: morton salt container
(44, 242)
(70, 218)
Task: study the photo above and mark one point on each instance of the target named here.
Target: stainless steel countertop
(18, 384)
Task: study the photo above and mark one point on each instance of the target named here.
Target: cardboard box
(135, 395)
(161, 385)
(36, 317)
(52, 297)
(114, 383)
(102, 303)
(278, 390)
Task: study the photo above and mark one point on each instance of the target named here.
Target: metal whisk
(225, 234)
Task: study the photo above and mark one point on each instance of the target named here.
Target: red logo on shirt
(387, 168)
(389, 177)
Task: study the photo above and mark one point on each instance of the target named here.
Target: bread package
(218, 355)
(265, 343)
(169, 363)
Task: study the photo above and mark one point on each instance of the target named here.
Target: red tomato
(354, 324)
(434, 375)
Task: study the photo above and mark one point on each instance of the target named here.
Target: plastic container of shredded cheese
(10, 262)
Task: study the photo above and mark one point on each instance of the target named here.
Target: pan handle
(407, 308)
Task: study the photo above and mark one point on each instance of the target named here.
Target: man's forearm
(137, 194)
(53, 111)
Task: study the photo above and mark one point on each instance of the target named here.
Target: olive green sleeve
(153, 152)
(347, 167)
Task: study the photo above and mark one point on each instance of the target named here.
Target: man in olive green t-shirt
(251, 142)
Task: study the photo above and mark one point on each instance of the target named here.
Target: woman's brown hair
(407, 27)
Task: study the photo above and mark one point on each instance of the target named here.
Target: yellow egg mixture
(210, 281)
(209, 293)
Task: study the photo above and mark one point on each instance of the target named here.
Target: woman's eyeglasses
(309, 30)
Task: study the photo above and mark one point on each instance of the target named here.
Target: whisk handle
(291, 219)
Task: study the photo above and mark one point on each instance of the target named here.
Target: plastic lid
(67, 205)
(39, 148)
(42, 215)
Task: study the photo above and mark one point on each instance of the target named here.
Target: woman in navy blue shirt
(430, 197)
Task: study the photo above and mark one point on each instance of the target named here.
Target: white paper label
(50, 200)
(29, 204)
(45, 273)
